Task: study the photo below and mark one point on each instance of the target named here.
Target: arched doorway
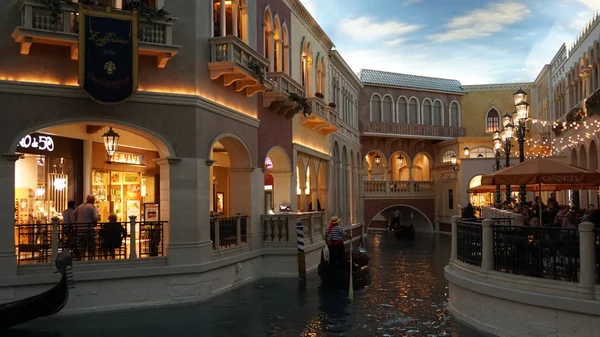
(399, 166)
(124, 167)
(278, 184)
(409, 215)
(421, 170)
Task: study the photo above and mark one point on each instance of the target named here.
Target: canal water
(407, 296)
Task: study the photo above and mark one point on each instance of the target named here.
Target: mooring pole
(301, 257)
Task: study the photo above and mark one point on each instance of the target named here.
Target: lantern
(520, 96)
(111, 142)
(467, 151)
(453, 159)
(508, 131)
(377, 159)
(400, 161)
(523, 111)
(506, 119)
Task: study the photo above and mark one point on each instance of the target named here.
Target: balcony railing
(37, 26)
(279, 230)
(239, 64)
(468, 235)
(323, 118)
(278, 99)
(412, 129)
(391, 188)
(229, 232)
(41, 243)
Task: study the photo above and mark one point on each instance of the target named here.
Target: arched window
(455, 114)
(376, 108)
(388, 103)
(413, 111)
(278, 44)
(268, 37)
(476, 181)
(482, 152)
(447, 156)
(438, 113)
(231, 19)
(285, 49)
(402, 109)
(492, 121)
(323, 75)
(320, 72)
(426, 112)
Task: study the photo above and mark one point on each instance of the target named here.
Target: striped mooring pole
(301, 257)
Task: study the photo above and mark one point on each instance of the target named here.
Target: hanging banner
(108, 54)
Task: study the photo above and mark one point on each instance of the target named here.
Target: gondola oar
(350, 287)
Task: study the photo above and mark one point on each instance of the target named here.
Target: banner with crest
(108, 54)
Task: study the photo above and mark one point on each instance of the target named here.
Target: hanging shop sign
(108, 54)
(37, 141)
(127, 158)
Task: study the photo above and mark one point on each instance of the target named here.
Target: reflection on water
(406, 297)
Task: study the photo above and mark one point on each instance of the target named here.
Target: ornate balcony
(278, 98)
(239, 64)
(398, 189)
(421, 131)
(323, 118)
(37, 26)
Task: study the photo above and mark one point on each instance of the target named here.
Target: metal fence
(468, 248)
(88, 242)
(597, 255)
(228, 231)
(543, 252)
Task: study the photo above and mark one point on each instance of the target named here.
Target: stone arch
(402, 110)
(277, 35)
(375, 107)
(421, 221)
(438, 113)
(235, 147)
(345, 216)
(268, 39)
(279, 158)
(285, 52)
(400, 172)
(387, 109)
(164, 147)
(593, 156)
(492, 120)
(455, 119)
(371, 164)
(322, 192)
(421, 168)
(583, 160)
(574, 160)
(413, 111)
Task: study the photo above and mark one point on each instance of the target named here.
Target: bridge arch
(420, 220)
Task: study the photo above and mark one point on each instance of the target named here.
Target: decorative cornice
(339, 61)
(497, 87)
(68, 91)
(311, 152)
(310, 23)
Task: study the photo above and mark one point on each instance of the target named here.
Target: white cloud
(593, 5)
(366, 28)
(394, 42)
(412, 2)
(310, 6)
(483, 22)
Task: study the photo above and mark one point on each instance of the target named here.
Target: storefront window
(122, 193)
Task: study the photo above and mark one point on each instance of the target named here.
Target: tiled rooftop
(368, 76)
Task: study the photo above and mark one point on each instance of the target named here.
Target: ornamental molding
(67, 91)
(497, 87)
(311, 24)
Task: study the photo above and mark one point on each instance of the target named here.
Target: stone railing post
(453, 250)
(54, 239)
(487, 245)
(217, 236)
(132, 241)
(587, 257)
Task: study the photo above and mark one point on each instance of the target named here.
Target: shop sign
(108, 54)
(37, 141)
(127, 158)
(268, 163)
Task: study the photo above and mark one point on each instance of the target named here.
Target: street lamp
(111, 142)
(399, 160)
(453, 161)
(497, 147)
(522, 115)
(377, 159)
(467, 151)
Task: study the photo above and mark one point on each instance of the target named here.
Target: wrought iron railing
(543, 252)
(597, 232)
(228, 231)
(88, 242)
(468, 248)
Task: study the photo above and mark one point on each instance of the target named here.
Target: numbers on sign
(25, 142)
(42, 143)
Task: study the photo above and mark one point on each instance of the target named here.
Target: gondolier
(335, 242)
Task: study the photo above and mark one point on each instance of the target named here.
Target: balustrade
(228, 232)
(432, 131)
(392, 188)
(280, 229)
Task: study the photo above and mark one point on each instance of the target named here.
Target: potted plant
(301, 103)
(333, 105)
(320, 95)
(257, 71)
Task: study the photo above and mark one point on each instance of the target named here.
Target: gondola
(340, 276)
(402, 232)
(44, 304)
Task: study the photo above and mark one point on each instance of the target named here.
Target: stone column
(587, 254)
(347, 208)
(184, 203)
(278, 54)
(285, 56)
(487, 245)
(338, 188)
(294, 179)
(8, 258)
(87, 169)
(247, 197)
(234, 16)
(223, 18)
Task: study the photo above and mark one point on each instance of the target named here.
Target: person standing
(67, 229)
(85, 218)
(335, 242)
(396, 216)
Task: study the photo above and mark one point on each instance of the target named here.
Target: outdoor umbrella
(544, 171)
(530, 188)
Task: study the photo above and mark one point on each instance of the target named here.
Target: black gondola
(340, 276)
(401, 232)
(44, 304)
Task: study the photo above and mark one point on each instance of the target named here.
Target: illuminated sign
(127, 158)
(37, 141)
(268, 163)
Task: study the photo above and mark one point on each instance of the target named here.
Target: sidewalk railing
(229, 232)
(564, 254)
(41, 243)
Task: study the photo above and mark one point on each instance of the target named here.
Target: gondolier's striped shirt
(337, 233)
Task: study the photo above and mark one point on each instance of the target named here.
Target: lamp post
(453, 161)
(111, 142)
(522, 115)
(497, 147)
